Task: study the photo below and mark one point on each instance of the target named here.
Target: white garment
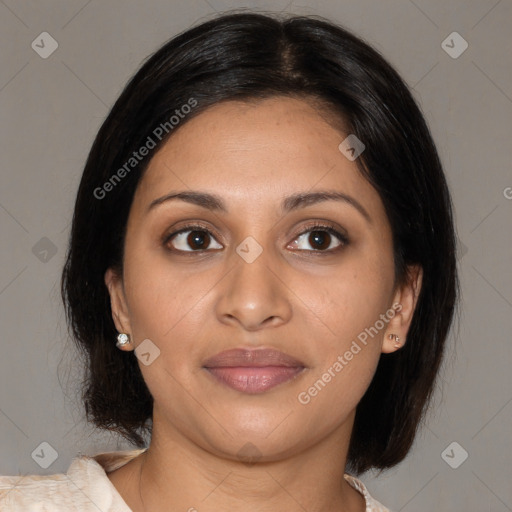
(86, 488)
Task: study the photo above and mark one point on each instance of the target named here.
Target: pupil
(198, 239)
(320, 239)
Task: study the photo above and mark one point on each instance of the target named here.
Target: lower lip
(254, 379)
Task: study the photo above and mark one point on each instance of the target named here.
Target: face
(251, 230)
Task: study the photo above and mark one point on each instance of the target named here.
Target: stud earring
(397, 340)
(122, 340)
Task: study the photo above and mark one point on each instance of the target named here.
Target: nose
(254, 296)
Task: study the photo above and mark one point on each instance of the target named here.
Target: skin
(308, 302)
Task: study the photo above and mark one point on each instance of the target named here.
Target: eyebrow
(291, 203)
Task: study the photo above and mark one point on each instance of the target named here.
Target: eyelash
(343, 239)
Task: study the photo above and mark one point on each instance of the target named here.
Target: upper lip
(241, 357)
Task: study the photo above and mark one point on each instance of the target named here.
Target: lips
(253, 371)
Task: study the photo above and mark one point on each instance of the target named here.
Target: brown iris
(198, 239)
(320, 239)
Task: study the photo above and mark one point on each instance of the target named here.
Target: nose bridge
(252, 293)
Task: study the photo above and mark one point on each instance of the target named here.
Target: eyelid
(193, 226)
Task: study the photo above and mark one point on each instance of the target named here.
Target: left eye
(320, 239)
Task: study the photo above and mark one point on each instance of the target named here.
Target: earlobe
(406, 299)
(118, 304)
(392, 342)
(398, 342)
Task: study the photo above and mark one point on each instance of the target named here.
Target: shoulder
(372, 505)
(34, 492)
(85, 487)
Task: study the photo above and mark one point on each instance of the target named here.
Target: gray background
(51, 109)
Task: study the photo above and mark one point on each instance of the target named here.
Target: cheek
(346, 358)
(167, 301)
(350, 297)
(346, 328)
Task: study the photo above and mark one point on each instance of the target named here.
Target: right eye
(192, 239)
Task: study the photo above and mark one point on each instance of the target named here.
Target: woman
(261, 276)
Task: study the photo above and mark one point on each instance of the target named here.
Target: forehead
(254, 153)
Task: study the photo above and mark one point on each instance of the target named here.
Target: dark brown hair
(249, 57)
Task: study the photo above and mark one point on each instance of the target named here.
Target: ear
(119, 306)
(404, 304)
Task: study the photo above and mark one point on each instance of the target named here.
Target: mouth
(253, 371)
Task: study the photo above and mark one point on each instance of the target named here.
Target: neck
(176, 474)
